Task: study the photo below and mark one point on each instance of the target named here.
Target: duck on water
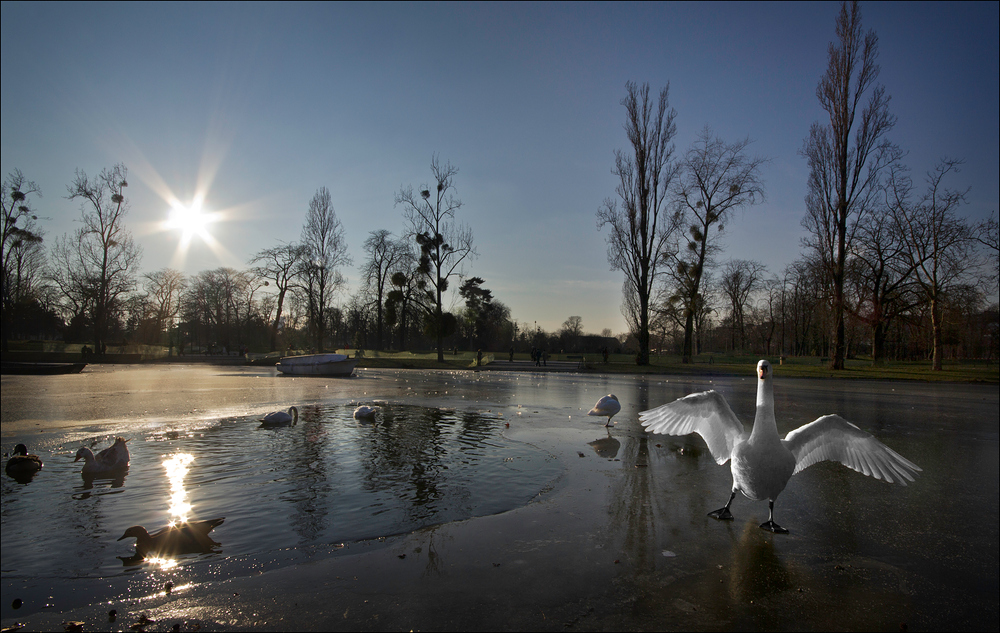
(762, 462)
(111, 461)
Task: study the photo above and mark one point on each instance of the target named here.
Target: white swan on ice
(606, 406)
(762, 462)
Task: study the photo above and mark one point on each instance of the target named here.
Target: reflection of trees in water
(434, 565)
(307, 472)
(410, 454)
(631, 506)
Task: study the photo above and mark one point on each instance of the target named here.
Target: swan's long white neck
(764, 425)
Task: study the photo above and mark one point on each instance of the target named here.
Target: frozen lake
(484, 500)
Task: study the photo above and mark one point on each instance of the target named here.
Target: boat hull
(317, 365)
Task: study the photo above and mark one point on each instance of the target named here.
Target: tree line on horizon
(882, 256)
(889, 270)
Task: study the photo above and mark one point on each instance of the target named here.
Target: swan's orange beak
(761, 371)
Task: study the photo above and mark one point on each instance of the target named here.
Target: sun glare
(190, 220)
(193, 220)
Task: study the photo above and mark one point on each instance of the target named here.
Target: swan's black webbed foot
(771, 526)
(722, 514)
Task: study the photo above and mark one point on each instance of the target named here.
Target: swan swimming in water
(113, 459)
(280, 418)
(606, 406)
(762, 462)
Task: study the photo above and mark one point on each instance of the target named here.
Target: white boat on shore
(317, 365)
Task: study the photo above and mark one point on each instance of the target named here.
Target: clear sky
(256, 106)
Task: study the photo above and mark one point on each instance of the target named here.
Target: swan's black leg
(771, 526)
(723, 514)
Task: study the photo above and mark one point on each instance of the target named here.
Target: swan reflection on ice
(762, 462)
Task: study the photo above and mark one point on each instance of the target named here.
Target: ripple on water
(330, 479)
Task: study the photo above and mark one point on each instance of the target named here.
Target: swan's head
(136, 532)
(85, 454)
(763, 369)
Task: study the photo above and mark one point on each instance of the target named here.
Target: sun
(193, 220)
(190, 220)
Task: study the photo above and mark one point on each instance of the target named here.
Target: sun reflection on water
(163, 563)
(177, 467)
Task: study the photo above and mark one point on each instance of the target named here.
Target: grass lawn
(712, 365)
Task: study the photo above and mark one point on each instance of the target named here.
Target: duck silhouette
(21, 464)
(188, 537)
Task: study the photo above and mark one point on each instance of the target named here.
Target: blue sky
(259, 105)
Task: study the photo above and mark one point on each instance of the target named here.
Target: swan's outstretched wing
(833, 438)
(706, 413)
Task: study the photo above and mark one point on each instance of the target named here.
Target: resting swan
(280, 418)
(113, 459)
(762, 462)
(606, 406)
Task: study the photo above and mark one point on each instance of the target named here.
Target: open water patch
(327, 480)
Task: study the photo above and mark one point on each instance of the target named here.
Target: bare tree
(21, 241)
(765, 314)
(164, 289)
(384, 256)
(847, 156)
(279, 265)
(642, 228)
(938, 242)
(444, 244)
(740, 278)
(717, 178)
(21, 246)
(325, 251)
(101, 256)
(986, 234)
(881, 275)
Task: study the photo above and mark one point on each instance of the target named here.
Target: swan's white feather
(607, 406)
(707, 414)
(832, 438)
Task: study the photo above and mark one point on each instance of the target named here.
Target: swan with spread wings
(762, 462)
